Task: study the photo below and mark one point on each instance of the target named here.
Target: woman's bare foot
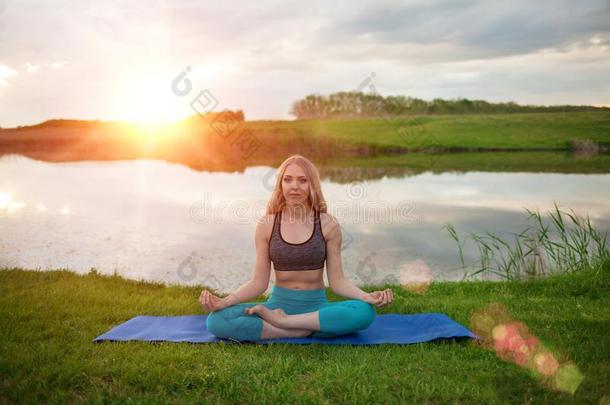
(273, 332)
(275, 317)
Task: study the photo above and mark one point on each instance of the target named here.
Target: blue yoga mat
(386, 328)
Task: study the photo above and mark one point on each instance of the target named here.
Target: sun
(146, 99)
(144, 94)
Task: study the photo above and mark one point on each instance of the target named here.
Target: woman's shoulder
(264, 226)
(329, 224)
(266, 220)
(325, 217)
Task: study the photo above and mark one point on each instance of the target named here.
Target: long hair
(316, 199)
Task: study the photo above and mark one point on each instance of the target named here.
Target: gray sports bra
(286, 256)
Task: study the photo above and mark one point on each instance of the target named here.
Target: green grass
(49, 319)
(512, 142)
(524, 131)
(565, 243)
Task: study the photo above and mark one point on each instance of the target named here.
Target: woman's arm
(345, 288)
(248, 290)
(262, 269)
(339, 284)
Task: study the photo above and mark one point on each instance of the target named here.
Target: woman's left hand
(379, 298)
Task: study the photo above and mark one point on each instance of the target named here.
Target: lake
(153, 220)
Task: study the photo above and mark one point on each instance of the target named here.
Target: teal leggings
(336, 318)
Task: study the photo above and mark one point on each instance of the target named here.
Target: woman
(298, 236)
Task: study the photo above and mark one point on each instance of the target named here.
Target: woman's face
(295, 185)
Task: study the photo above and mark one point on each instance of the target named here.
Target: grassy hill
(496, 131)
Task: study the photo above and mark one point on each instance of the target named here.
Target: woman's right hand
(211, 302)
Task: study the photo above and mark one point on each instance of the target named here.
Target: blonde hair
(316, 199)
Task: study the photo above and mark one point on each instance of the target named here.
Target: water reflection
(161, 221)
(8, 203)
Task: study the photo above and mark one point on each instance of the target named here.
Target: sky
(121, 60)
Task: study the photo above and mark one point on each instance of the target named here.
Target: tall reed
(566, 243)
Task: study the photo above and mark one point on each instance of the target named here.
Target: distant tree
(222, 116)
(360, 105)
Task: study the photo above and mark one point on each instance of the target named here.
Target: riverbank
(451, 133)
(410, 164)
(49, 319)
(577, 139)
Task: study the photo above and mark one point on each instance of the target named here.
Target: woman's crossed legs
(257, 321)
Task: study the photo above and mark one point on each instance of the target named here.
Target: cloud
(30, 68)
(5, 73)
(474, 28)
(263, 56)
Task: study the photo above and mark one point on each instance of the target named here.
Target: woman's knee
(346, 316)
(232, 322)
(220, 322)
(216, 323)
(364, 313)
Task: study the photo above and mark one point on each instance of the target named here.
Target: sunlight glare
(8, 203)
(146, 99)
